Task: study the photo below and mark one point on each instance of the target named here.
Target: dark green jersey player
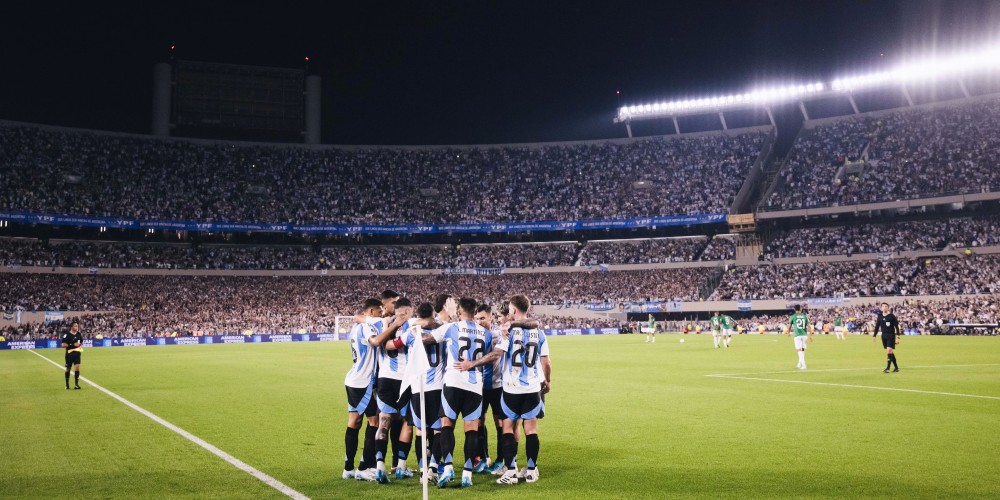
(728, 328)
(716, 323)
(651, 329)
(799, 328)
(838, 327)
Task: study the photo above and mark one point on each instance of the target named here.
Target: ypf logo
(497, 227)
(644, 222)
(425, 229)
(278, 227)
(46, 218)
(203, 225)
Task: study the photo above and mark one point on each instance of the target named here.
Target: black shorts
(72, 358)
(361, 400)
(455, 402)
(387, 396)
(888, 341)
(432, 401)
(491, 401)
(541, 395)
(522, 406)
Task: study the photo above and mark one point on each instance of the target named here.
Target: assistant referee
(888, 325)
(72, 341)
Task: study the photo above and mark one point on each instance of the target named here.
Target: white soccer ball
(682, 341)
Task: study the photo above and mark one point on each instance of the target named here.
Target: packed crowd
(926, 316)
(89, 173)
(958, 275)
(31, 252)
(907, 154)
(146, 305)
(648, 251)
(823, 279)
(719, 248)
(969, 232)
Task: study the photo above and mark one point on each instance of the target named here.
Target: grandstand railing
(913, 201)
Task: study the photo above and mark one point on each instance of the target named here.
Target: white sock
(401, 464)
(380, 465)
(802, 358)
(466, 474)
(654, 338)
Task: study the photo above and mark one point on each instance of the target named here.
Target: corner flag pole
(426, 439)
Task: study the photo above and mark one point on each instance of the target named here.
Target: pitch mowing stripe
(859, 386)
(239, 464)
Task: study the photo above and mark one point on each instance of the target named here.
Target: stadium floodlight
(930, 68)
(756, 97)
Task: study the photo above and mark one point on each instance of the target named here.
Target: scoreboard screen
(236, 101)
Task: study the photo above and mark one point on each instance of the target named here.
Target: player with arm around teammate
(463, 340)
(525, 370)
(716, 323)
(360, 384)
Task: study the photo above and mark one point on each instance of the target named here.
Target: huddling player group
(476, 362)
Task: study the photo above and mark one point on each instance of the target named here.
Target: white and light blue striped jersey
(493, 373)
(463, 341)
(522, 370)
(392, 362)
(363, 370)
(434, 379)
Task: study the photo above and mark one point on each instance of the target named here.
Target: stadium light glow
(924, 69)
(929, 68)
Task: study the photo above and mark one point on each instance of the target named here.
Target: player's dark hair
(440, 301)
(798, 307)
(521, 302)
(372, 302)
(484, 308)
(504, 309)
(403, 302)
(388, 294)
(467, 305)
(425, 310)
(887, 305)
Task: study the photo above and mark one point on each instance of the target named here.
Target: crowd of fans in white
(146, 305)
(32, 252)
(657, 251)
(89, 173)
(149, 305)
(904, 154)
(969, 232)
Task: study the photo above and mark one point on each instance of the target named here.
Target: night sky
(460, 72)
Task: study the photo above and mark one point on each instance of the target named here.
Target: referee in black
(887, 323)
(72, 341)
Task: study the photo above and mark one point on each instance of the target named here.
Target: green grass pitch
(626, 419)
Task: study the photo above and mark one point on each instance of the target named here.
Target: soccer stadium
(627, 309)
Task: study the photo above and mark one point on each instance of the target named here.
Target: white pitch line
(731, 375)
(239, 464)
(738, 376)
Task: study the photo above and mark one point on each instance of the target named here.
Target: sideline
(239, 464)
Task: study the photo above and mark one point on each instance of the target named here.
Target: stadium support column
(677, 128)
(770, 116)
(722, 119)
(906, 94)
(161, 99)
(854, 105)
(802, 108)
(628, 128)
(965, 90)
(312, 109)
